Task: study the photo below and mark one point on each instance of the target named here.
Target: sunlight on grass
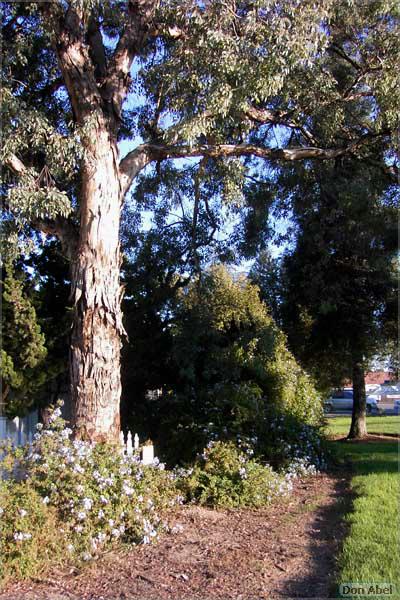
(375, 424)
(371, 552)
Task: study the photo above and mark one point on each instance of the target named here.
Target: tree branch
(264, 116)
(97, 51)
(278, 117)
(15, 164)
(140, 15)
(133, 163)
(62, 227)
(144, 154)
(73, 56)
(340, 52)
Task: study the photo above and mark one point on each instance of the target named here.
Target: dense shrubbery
(31, 533)
(67, 500)
(286, 439)
(234, 374)
(76, 498)
(236, 382)
(227, 475)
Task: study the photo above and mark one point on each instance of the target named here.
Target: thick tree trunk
(97, 326)
(358, 427)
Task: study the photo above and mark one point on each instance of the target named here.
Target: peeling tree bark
(97, 327)
(97, 89)
(95, 287)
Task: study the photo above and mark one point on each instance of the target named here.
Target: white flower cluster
(55, 415)
(101, 495)
(181, 472)
(243, 472)
(305, 441)
(19, 536)
(300, 467)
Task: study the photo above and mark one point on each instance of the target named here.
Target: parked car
(372, 388)
(389, 393)
(343, 400)
(389, 388)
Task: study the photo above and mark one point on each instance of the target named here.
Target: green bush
(227, 476)
(286, 438)
(87, 496)
(30, 532)
(234, 373)
(68, 500)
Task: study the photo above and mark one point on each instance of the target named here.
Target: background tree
(266, 274)
(49, 290)
(166, 240)
(231, 374)
(152, 282)
(339, 280)
(215, 79)
(23, 350)
(35, 330)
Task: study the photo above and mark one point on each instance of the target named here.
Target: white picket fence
(19, 430)
(132, 444)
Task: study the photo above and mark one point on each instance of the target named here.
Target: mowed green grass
(371, 550)
(375, 424)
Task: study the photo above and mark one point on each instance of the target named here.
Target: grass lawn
(371, 551)
(375, 424)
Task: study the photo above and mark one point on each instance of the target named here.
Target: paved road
(387, 408)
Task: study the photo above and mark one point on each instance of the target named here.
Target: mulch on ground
(285, 551)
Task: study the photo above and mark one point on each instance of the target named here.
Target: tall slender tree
(192, 79)
(339, 281)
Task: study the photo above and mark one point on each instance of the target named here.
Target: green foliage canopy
(339, 282)
(211, 79)
(234, 373)
(23, 349)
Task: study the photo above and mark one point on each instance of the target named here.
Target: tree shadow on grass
(329, 528)
(371, 455)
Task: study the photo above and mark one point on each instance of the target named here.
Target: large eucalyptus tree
(210, 79)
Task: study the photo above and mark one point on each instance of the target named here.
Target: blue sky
(135, 100)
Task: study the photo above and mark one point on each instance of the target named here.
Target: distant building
(375, 378)
(378, 377)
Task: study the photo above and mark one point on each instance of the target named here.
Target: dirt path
(278, 552)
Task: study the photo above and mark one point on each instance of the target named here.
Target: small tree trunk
(358, 429)
(97, 294)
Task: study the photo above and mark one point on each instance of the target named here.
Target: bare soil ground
(285, 551)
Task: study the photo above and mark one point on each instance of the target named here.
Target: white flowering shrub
(285, 439)
(300, 467)
(31, 533)
(94, 495)
(227, 475)
(67, 500)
